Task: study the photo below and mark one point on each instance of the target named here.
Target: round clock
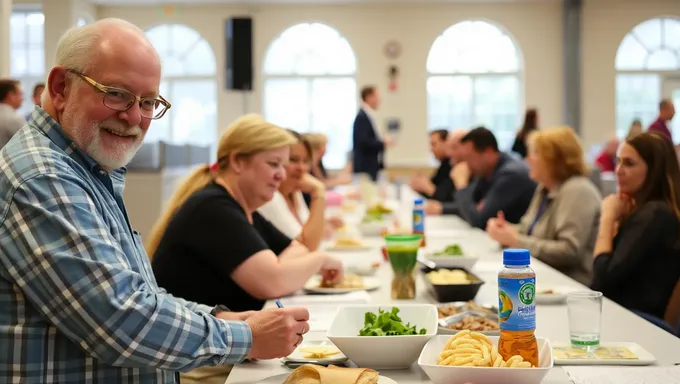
(392, 49)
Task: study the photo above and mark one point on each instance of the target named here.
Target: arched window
(474, 79)
(648, 70)
(82, 21)
(309, 86)
(189, 83)
(27, 52)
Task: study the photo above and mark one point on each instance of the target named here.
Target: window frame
(27, 80)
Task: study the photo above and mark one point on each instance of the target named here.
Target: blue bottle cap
(516, 256)
(418, 201)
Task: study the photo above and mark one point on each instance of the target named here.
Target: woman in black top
(637, 253)
(212, 247)
(530, 124)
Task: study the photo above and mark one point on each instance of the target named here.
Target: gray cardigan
(564, 236)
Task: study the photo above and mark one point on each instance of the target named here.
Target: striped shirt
(78, 299)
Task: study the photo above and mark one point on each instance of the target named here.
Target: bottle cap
(516, 256)
(418, 201)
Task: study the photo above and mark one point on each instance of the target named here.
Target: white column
(59, 17)
(5, 16)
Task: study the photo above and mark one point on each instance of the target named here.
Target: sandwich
(314, 374)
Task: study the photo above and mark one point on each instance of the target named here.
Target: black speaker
(239, 39)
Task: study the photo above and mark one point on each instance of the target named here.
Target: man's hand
(460, 175)
(433, 207)
(277, 332)
(389, 141)
(422, 184)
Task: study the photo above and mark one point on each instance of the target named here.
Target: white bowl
(464, 262)
(373, 228)
(443, 374)
(382, 352)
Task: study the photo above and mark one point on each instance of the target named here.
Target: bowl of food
(452, 284)
(480, 362)
(383, 337)
(470, 321)
(450, 256)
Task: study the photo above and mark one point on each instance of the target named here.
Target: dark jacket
(367, 147)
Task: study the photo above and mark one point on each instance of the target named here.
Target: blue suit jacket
(367, 147)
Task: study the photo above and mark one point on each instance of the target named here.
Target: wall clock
(392, 49)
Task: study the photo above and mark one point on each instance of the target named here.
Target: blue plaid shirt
(78, 299)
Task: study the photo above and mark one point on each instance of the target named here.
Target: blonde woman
(212, 246)
(318, 142)
(560, 225)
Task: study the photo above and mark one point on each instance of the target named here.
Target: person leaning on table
(637, 253)
(560, 225)
(79, 300)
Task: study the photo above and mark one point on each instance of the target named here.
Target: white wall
(536, 27)
(605, 23)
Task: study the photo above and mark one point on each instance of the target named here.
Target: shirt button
(102, 172)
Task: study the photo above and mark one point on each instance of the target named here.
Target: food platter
(280, 379)
(454, 317)
(368, 283)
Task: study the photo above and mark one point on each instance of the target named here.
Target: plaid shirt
(78, 299)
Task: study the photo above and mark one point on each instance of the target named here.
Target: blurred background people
(318, 142)
(37, 93)
(455, 154)
(11, 98)
(635, 129)
(500, 182)
(439, 186)
(606, 160)
(519, 146)
(637, 253)
(666, 113)
(368, 143)
(560, 225)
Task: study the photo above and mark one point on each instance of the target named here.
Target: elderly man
(454, 153)
(79, 300)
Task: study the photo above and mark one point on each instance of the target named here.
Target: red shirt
(660, 126)
(605, 162)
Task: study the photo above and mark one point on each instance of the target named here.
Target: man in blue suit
(368, 143)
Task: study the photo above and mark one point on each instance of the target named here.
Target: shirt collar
(44, 122)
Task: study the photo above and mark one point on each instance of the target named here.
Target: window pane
(649, 33)
(631, 54)
(333, 105)
(497, 107)
(36, 34)
(637, 97)
(194, 120)
(201, 60)
(18, 61)
(36, 61)
(17, 29)
(81, 22)
(160, 39)
(286, 103)
(449, 102)
(663, 60)
(159, 130)
(671, 29)
(182, 40)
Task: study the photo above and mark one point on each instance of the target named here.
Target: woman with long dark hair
(530, 125)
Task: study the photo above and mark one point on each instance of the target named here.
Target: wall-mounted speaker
(239, 60)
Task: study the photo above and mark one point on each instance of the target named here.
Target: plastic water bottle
(419, 219)
(516, 307)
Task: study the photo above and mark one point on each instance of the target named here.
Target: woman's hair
(560, 150)
(316, 140)
(662, 181)
(302, 140)
(246, 136)
(530, 123)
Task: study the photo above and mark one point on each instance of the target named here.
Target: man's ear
(56, 86)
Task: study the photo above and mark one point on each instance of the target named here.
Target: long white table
(618, 324)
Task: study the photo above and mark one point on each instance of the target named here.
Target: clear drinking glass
(585, 319)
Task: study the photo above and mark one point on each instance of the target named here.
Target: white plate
(558, 295)
(279, 379)
(297, 356)
(334, 248)
(312, 285)
(644, 357)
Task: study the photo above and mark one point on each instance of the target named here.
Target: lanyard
(541, 209)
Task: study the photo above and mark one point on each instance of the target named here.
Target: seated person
(439, 187)
(560, 226)
(530, 125)
(454, 153)
(500, 182)
(637, 253)
(287, 210)
(211, 245)
(318, 142)
(606, 160)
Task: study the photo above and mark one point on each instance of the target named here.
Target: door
(671, 90)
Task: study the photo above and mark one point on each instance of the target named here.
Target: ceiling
(249, 2)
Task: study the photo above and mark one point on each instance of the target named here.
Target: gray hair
(77, 45)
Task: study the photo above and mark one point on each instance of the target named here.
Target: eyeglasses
(121, 100)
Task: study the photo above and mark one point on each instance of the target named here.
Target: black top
(206, 240)
(444, 187)
(520, 147)
(644, 267)
(509, 189)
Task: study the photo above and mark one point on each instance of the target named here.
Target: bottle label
(418, 221)
(516, 306)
